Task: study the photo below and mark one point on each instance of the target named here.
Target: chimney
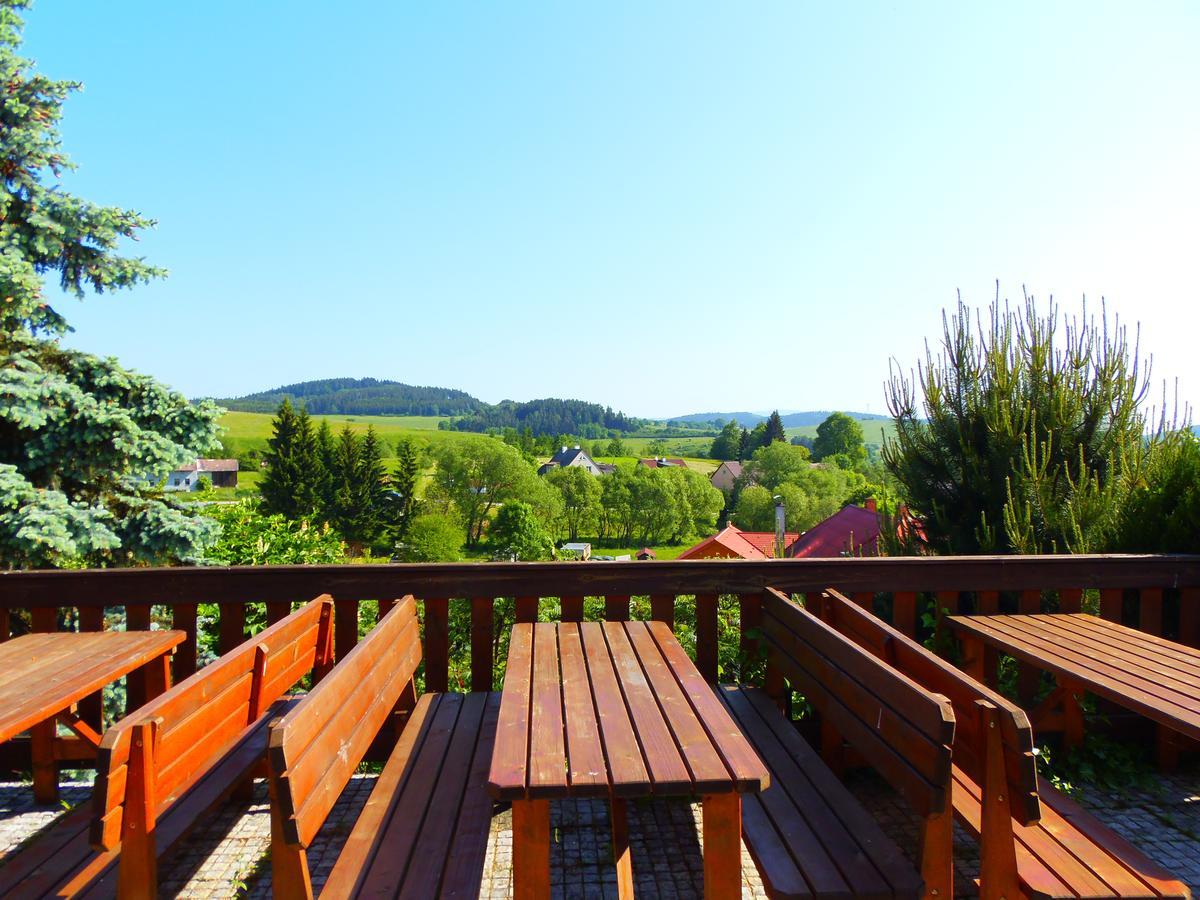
(780, 519)
(576, 446)
(870, 504)
(564, 449)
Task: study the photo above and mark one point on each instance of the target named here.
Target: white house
(219, 472)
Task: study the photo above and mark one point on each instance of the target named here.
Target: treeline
(548, 417)
(362, 397)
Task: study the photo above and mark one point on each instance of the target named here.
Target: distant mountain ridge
(360, 396)
(790, 420)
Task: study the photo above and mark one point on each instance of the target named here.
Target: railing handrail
(256, 584)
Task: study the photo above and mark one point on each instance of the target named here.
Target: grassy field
(246, 431)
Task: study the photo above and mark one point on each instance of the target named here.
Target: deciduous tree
(839, 434)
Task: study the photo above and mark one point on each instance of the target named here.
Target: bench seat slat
(838, 846)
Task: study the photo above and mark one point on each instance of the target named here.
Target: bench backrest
(965, 694)
(198, 720)
(901, 729)
(317, 746)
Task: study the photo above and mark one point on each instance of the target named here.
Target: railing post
(183, 618)
(482, 615)
(662, 609)
(4, 624)
(345, 626)
(1189, 616)
(706, 635)
(1112, 601)
(43, 618)
(904, 612)
(572, 609)
(1150, 611)
(137, 618)
(277, 611)
(527, 609)
(616, 607)
(988, 603)
(750, 615)
(1028, 678)
(1070, 600)
(232, 628)
(437, 644)
(91, 707)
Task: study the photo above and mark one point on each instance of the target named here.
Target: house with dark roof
(219, 472)
(574, 456)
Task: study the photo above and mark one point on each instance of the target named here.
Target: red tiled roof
(851, 530)
(765, 540)
(733, 543)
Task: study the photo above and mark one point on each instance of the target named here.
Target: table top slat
(510, 757)
(1109, 650)
(613, 709)
(547, 749)
(667, 769)
(744, 764)
(1033, 640)
(52, 681)
(709, 774)
(586, 768)
(628, 776)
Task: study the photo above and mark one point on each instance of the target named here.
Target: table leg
(619, 814)
(722, 846)
(531, 849)
(1072, 714)
(45, 771)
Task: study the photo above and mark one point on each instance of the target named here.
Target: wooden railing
(1160, 594)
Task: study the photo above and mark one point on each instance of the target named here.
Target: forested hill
(361, 396)
(549, 416)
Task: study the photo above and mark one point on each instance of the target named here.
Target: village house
(726, 476)
(733, 543)
(219, 472)
(575, 456)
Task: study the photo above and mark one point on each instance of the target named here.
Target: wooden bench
(1033, 840)
(424, 829)
(160, 769)
(807, 833)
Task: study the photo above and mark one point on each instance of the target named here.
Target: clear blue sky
(665, 207)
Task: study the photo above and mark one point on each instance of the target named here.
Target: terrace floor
(228, 856)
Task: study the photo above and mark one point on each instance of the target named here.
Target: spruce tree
(774, 430)
(84, 443)
(371, 485)
(402, 500)
(289, 486)
(326, 455)
(345, 511)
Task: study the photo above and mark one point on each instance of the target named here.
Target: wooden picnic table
(43, 676)
(616, 710)
(1149, 675)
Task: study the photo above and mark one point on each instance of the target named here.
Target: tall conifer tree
(82, 440)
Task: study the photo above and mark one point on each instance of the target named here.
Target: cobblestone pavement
(227, 855)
